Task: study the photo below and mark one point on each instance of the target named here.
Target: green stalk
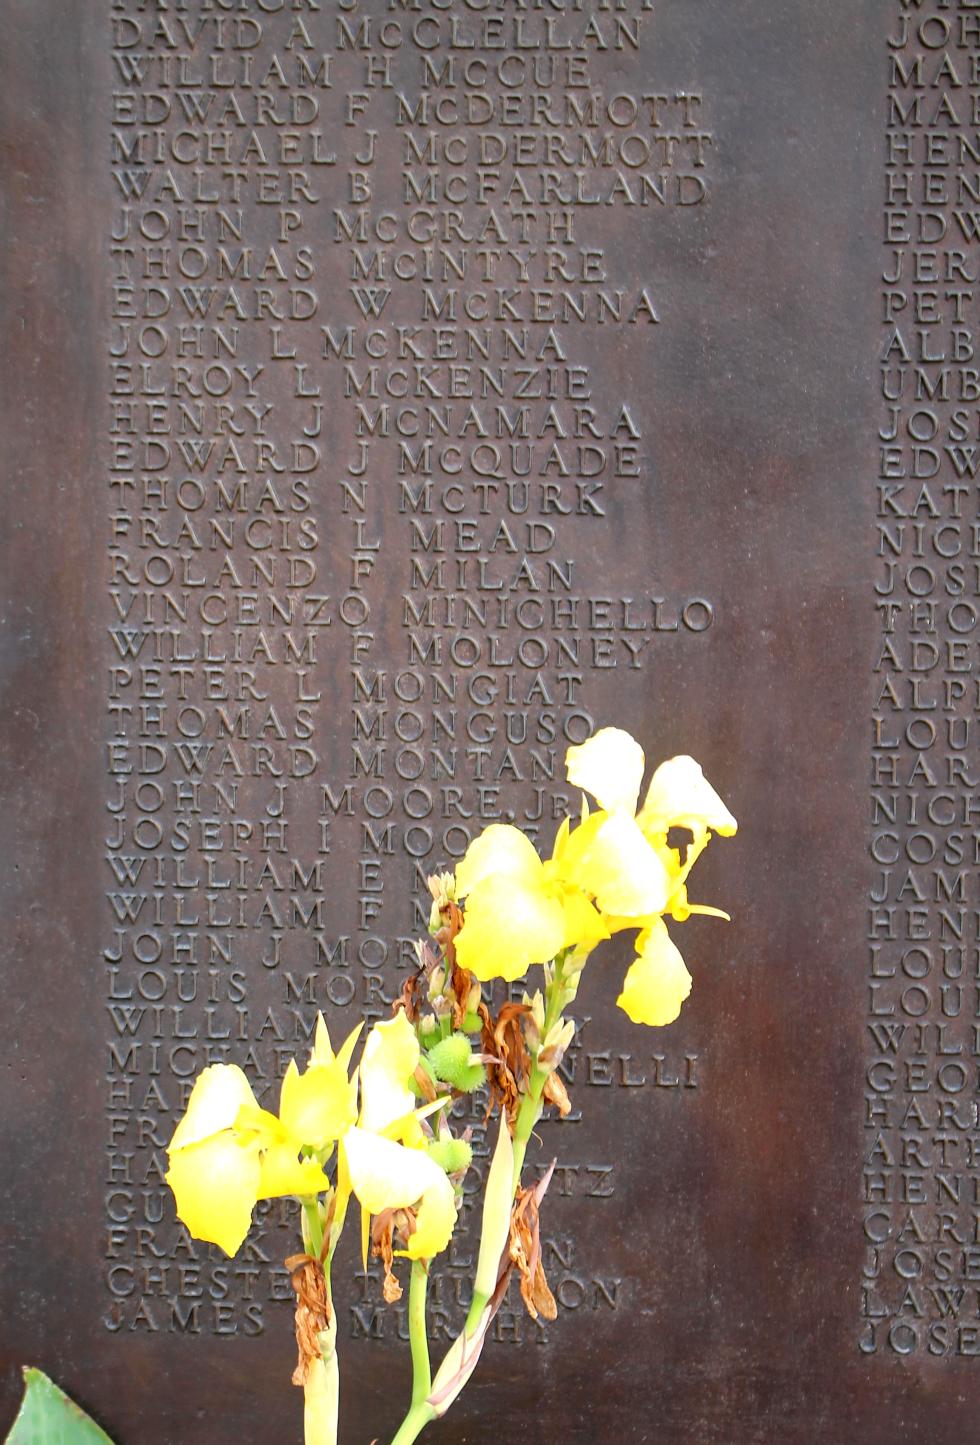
(414, 1423)
(421, 1412)
(528, 1114)
(312, 1226)
(418, 1337)
(531, 1106)
(527, 1117)
(321, 1392)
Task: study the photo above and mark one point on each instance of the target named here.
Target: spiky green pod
(452, 1061)
(453, 1155)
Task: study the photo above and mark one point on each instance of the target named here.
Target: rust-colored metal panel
(392, 395)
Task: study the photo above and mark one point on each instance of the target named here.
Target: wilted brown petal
(426, 1087)
(382, 1247)
(409, 996)
(504, 1039)
(525, 1251)
(556, 1093)
(312, 1310)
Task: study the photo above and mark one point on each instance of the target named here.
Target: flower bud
(575, 962)
(442, 886)
(559, 1037)
(537, 1008)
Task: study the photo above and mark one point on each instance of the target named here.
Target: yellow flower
(657, 982)
(227, 1153)
(680, 796)
(318, 1106)
(383, 1159)
(625, 861)
(518, 909)
(387, 1175)
(622, 857)
(607, 855)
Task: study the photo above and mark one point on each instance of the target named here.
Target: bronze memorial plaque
(396, 392)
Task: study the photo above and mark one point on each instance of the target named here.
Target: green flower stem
(527, 1117)
(312, 1226)
(414, 1423)
(531, 1106)
(421, 1412)
(321, 1393)
(560, 991)
(421, 1369)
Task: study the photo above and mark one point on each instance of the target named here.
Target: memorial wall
(397, 392)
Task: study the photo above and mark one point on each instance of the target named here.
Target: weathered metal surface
(392, 395)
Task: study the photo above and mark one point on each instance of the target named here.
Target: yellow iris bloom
(518, 909)
(387, 1175)
(680, 796)
(318, 1106)
(608, 855)
(227, 1153)
(383, 1160)
(622, 858)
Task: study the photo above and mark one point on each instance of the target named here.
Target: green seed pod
(450, 1058)
(453, 1155)
(472, 1078)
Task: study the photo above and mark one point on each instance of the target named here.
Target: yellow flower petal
(561, 839)
(282, 1172)
(317, 1107)
(658, 982)
(322, 1052)
(219, 1092)
(346, 1051)
(584, 925)
(610, 767)
(435, 1221)
(391, 1056)
(216, 1183)
(263, 1127)
(681, 907)
(609, 858)
(385, 1175)
(499, 851)
(680, 796)
(507, 927)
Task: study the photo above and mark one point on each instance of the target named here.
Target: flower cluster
(380, 1133)
(616, 870)
(227, 1153)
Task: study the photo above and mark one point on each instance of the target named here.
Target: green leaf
(48, 1417)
